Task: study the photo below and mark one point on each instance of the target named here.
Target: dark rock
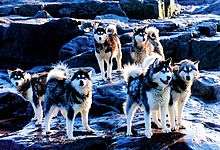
(207, 51)
(6, 10)
(136, 9)
(76, 46)
(207, 87)
(177, 45)
(27, 9)
(207, 28)
(42, 14)
(30, 43)
(195, 2)
(126, 38)
(212, 8)
(86, 10)
(165, 26)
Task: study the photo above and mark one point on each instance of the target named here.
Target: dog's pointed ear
(9, 72)
(135, 29)
(169, 61)
(90, 72)
(196, 63)
(95, 24)
(156, 62)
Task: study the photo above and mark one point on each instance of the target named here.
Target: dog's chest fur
(110, 46)
(157, 97)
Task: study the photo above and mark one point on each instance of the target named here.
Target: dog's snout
(16, 83)
(81, 83)
(143, 39)
(168, 77)
(188, 78)
(100, 38)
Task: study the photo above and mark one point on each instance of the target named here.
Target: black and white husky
(32, 87)
(149, 90)
(108, 46)
(185, 73)
(69, 94)
(146, 42)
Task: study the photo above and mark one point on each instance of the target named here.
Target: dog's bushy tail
(111, 29)
(132, 71)
(60, 71)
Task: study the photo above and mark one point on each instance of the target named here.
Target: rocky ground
(35, 34)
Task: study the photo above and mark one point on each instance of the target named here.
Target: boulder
(35, 41)
(177, 45)
(6, 10)
(207, 87)
(206, 49)
(207, 28)
(42, 14)
(195, 2)
(139, 9)
(86, 10)
(76, 46)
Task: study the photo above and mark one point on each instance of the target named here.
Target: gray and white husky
(146, 42)
(108, 46)
(150, 90)
(185, 73)
(69, 94)
(32, 87)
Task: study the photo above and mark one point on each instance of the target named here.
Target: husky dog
(108, 46)
(185, 73)
(146, 42)
(150, 90)
(32, 87)
(68, 94)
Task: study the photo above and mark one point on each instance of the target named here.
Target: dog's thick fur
(32, 88)
(108, 46)
(185, 73)
(146, 42)
(150, 90)
(68, 94)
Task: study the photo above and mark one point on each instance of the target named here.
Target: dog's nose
(188, 78)
(168, 77)
(100, 38)
(143, 39)
(16, 83)
(81, 83)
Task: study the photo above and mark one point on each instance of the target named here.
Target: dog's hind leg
(39, 114)
(118, 59)
(85, 122)
(49, 114)
(70, 122)
(130, 109)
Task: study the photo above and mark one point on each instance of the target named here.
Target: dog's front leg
(148, 130)
(163, 118)
(180, 106)
(85, 121)
(109, 68)
(101, 65)
(39, 114)
(172, 115)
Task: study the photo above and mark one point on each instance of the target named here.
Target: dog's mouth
(164, 81)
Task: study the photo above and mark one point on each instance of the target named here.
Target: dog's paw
(181, 127)
(166, 130)
(90, 130)
(34, 119)
(129, 134)
(148, 134)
